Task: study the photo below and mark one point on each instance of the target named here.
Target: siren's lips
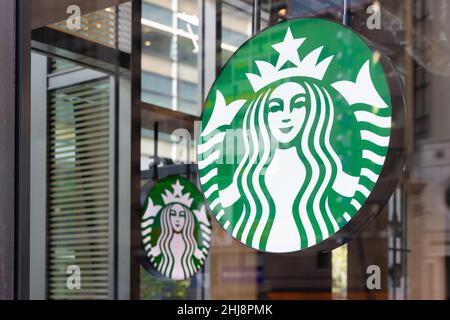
(286, 130)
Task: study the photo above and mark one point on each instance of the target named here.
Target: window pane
(169, 54)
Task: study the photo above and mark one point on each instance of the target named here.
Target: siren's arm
(229, 195)
(199, 254)
(223, 114)
(345, 184)
(156, 250)
(362, 91)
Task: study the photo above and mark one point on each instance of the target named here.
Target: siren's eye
(182, 213)
(298, 101)
(173, 213)
(275, 105)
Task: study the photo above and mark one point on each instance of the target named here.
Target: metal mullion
(114, 169)
(136, 124)
(9, 26)
(22, 151)
(345, 12)
(256, 16)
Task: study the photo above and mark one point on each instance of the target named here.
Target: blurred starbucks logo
(175, 228)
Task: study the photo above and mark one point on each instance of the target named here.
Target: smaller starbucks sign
(175, 228)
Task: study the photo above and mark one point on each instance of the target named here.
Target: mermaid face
(287, 111)
(177, 217)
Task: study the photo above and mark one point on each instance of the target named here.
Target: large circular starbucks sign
(294, 135)
(175, 228)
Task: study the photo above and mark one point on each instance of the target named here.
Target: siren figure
(176, 243)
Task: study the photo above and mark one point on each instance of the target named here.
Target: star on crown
(288, 50)
(177, 195)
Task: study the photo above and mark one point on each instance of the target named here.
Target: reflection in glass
(169, 55)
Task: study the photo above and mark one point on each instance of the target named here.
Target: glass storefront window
(236, 26)
(81, 151)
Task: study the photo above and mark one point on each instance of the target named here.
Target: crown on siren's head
(177, 196)
(288, 49)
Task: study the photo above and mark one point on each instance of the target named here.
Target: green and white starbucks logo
(295, 133)
(175, 228)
